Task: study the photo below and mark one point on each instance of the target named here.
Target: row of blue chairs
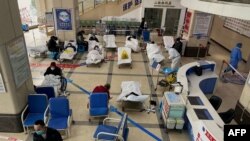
(57, 114)
(55, 111)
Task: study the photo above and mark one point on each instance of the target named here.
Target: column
(73, 6)
(15, 75)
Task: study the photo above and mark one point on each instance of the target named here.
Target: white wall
(135, 14)
(229, 10)
(245, 96)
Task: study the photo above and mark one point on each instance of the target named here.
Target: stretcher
(95, 57)
(92, 45)
(69, 52)
(38, 51)
(131, 93)
(154, 53)
(133, 44)
(124, 56)
(109, 41)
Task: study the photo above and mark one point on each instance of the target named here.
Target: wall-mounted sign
(2, 87)
(238, 25)
(163, 3)
(63, 19)
(127, 5)
(202, 24)
(187, 22)
(19, 61)
(137, 2)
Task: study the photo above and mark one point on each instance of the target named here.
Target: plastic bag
(124, 55)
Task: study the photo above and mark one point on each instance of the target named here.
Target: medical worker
(235, 57)
(175, 56)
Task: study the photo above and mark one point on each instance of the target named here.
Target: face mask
(52, 68)
(41, 132)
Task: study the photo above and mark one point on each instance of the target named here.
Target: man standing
(178, 45)
(43, 133)
(235, 58)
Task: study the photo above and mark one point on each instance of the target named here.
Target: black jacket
(178, 46)
(52, 46)
(51, 135)
(56, 71)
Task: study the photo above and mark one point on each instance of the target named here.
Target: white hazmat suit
(175, 56)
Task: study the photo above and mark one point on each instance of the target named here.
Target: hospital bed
(124, 56)
(154, 53)
(95, 57)
(133, 44)
(131, 93)
(37, 51)
(92, 45)
(68, 53)
(109, 41)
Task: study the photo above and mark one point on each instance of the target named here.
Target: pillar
(73, 5)
(197, 28)
(15, 75)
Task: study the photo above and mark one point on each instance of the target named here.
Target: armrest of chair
(70, 118)
(115, 119)
(24, 113)
(46, 115)
(110, 134)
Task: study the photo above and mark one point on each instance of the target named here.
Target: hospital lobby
(124, 70)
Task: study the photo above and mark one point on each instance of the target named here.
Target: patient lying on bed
(132, 43)
(95, 56)
(154, 52)
(68, 52)
(131, 92)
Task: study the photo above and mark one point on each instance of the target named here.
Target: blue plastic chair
(60, 114)
(35, 110)
(49, 91)
(113, 133)
(98, 105)
(146, 35)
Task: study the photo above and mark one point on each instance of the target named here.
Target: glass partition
(153, 17)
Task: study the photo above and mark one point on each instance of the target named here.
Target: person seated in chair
(43, 133)
(93, 38)
(53, 69)
(102, 89)
(81, 40)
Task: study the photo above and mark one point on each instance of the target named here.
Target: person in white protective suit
(175, 56)
(132, 43)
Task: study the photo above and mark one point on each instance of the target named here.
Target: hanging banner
(18, 60)
(2, 87)
(63, 19)
(202, 24)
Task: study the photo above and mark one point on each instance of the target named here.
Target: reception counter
(204, 123)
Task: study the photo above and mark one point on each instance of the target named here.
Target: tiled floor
(89, 77)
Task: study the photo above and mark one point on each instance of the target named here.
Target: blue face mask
(41, 132)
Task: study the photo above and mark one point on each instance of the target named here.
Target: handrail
(225, 62)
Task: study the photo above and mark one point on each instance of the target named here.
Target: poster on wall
(202, 24)
(63, 19)
(238, 25)
(2, 87)
(18, 60)
(187, 21)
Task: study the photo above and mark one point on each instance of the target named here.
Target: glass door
(153, 17)
(172, 21)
